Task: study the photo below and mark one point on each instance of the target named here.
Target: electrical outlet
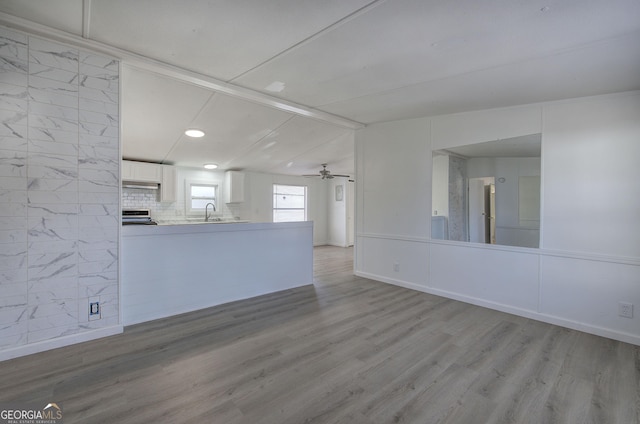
(396, 267)
(94, 309)
(625, 309)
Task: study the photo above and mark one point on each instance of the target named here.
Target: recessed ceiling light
(194, 133)
(210, 166)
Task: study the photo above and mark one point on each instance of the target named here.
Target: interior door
(476, 211)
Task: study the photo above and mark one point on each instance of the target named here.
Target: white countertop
(207, 227)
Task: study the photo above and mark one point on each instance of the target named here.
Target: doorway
(482, 210)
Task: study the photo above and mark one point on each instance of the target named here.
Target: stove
(137, 217)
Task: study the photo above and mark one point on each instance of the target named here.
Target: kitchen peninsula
(172, 269)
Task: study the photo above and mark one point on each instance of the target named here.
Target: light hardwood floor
(346, 350)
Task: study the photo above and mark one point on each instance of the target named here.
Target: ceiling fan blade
(339, 175)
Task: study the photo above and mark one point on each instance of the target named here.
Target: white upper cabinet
(233, 187)
(168, 185)
(141, 172)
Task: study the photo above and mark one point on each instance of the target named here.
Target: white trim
(196, 212)
(596, 257)
(526, 313)
(58, 342)
(145, 63)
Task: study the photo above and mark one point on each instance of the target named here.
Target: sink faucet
(206, 211)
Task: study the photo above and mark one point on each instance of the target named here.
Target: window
(199, 195)
(289, 203)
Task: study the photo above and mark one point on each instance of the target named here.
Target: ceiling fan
(325, 173)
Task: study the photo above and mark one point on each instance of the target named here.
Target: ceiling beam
(171, 71)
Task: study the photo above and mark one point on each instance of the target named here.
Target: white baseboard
(550, 319)
(29, 349)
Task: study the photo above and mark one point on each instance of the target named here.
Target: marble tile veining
(60, 234)
(98, 129)
(13, 143)
(99, 140)
(97, 163)
(97, 267)
(59, 192)
(96, 95)
(53, 210)
(52, 86)
(47, 147)
(13, 209)
(55, 160)
(56, 74)
(47, 246)
(49, 134)
(95, 175)
(103, 82)
(13, 255)
(13, 44)
(11, 76)
(52, 223)
(34, 336)
(10, 129)
(52, 197)
(64, 98)
(65, 113)
(99, 118)
(69, 124)
(102, 62)
(47, 184)
(12, 164)
(36, 171)
(12, 196)
(15, 66)
(52, 54)
(13, 236)
(13, 97)
(13, 276)
(52, 321)
(100, 210)
(109, 288)
(44, 266)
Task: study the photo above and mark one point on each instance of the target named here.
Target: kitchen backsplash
(135, 198)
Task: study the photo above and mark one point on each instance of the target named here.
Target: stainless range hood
(139, 184)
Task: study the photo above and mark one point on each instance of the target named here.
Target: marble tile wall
(458, 199)
(59, 210)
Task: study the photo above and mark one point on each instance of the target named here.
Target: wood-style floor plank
(345, 350)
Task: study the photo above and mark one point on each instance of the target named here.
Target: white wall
(258, 206)
(337, 211)
(589, 258)
(60, 194)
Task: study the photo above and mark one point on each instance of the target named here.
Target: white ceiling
(207, 63)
